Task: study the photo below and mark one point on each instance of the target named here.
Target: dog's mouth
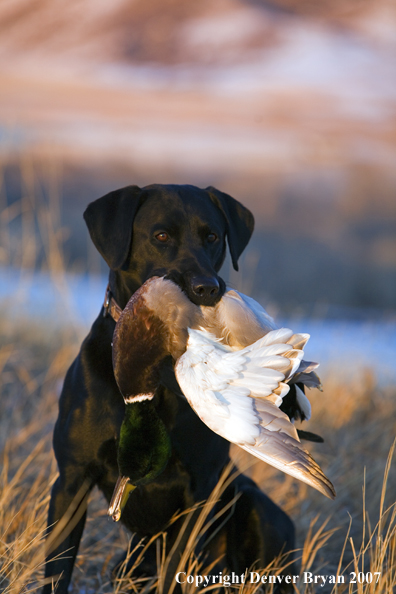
(200, 289)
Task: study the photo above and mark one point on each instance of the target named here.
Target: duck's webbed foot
(121, 493)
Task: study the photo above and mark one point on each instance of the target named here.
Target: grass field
(355, 533)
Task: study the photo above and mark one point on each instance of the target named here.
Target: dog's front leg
(66, 520)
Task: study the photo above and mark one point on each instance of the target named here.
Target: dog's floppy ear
(109, 220)
(240, 222)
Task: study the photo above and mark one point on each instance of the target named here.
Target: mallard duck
(233, 365)
(144, 446)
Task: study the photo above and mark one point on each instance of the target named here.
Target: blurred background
(287, 105)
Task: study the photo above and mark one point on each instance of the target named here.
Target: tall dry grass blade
(384, 483)
(342, 554)
(315, 542)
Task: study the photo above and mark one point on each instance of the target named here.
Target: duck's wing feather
(288, 455)
(235, 393)
(239, 321)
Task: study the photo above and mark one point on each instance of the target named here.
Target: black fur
(181, 232)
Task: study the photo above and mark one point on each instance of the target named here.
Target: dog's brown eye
(211, 237)
(162, 236)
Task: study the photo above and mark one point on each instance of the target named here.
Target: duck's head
(152, 327)
(144, 449)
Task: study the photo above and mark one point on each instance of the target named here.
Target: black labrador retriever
(180, 232)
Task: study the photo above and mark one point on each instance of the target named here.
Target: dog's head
(167, 230)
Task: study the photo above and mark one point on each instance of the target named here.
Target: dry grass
(355, 533)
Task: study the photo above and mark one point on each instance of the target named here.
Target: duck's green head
(144, 447)
(143, 452)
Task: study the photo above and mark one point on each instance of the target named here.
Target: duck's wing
(256, 322)
(235, 394)
(240, 321)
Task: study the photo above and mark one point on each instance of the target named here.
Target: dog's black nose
(205, 289)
